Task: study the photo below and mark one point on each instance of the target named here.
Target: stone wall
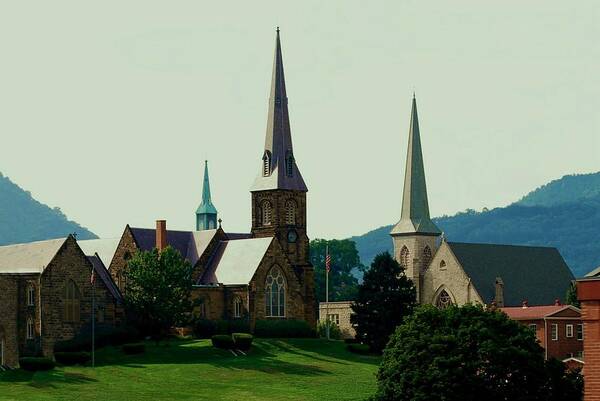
(125, 250)
(9, 318)
(341, 310)
(417, 262)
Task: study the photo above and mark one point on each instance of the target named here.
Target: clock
(292, 236)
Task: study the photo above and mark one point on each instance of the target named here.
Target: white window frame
(580, 332)
(533, 326)
(30, 329)
(334, 317)
(554, 332)
(237, 307)
(30, 295)
(569, 330)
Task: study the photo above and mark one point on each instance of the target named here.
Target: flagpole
(327, 291)
(93, 319)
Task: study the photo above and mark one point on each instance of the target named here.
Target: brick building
(338, 313)
(46, 296)
(558, 328)
(263, 274)
(588, 292)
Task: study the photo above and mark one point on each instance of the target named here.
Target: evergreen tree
(571, 297)
(384, 298)
(158, 290)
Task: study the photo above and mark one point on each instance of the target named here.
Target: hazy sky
(108, 109)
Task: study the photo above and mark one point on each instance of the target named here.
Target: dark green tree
(384, 298)
(571, 296)
(158, 290)
(468, 354)
(343, 284)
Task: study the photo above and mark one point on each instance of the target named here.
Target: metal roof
(536, 274)
(415, 208)
(235, 262)
(278, 139)
(104, 247)
(104, 275)
(206, 205)
(32, 257)
(536, 312)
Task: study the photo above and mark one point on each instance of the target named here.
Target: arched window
(443, 300)
(30, 329)
(404, 257)
(442, 265)
(267, 164)
(237, 307)
(202, 308)
(275, 293)
(266, 213)
(426, 257)
(31, 295)
(290, 212)
(71, 302)
(289, 164)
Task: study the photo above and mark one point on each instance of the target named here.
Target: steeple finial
(279, 169)
(206, 214)
(415, 208)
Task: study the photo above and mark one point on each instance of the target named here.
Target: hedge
(222, 341)
(33, 363)
(72, 358)
(362, 349)
(204, 328)
(242, 341)
(134, 348)
(104, 335)
(283, 329)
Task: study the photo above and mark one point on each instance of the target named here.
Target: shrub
(104, 335)
(222, 341)
(72, 358)
(283, 329)
(362, 349)
(239, 326)
(133, 348)
(334, 330)
(204, 328)
(33, 364)
(242, 341)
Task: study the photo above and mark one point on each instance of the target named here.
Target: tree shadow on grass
(268, 356)
(333, 351)
(48, 379)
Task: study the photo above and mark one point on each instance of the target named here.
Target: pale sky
(108, 109)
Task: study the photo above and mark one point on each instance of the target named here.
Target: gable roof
(235, 262)
(105, 248)
(536, 312)
(103, 274)
(594, 273)
(190, 244)
(536, 274)
(32, 257)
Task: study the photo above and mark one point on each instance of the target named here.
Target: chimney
(161, 234)
(499, 298)
(557, 302)
(525, 304)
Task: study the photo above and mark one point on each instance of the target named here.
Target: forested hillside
(564, 213)
(24, 219)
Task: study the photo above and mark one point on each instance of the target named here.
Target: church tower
(279, 192)
(415, 236)
(206, 214)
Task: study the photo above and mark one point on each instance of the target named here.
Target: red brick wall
(565, 346)
(588, 292)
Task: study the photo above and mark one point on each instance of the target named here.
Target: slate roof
(32, 257)
(104, 247)
(190, 244)
(536, 312)
(536, 274)
(594, 273)
(103, 274)
(415, 207)
(235, 262)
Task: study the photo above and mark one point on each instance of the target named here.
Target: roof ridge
(503, 245)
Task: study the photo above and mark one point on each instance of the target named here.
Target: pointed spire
(206, 214)
(415, 208)
(279, 169)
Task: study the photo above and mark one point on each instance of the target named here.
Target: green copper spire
(415, 208)
(206, 214)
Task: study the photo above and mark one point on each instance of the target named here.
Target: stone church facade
(263, 274)
(446, 273)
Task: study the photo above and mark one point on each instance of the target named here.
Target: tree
(467, 353)
(158, 290)
(384, 298)
(343, 284)
(571, 297)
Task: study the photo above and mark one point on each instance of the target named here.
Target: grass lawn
(294, 369)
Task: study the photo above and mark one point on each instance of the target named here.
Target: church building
(263, 274)
(446, 273)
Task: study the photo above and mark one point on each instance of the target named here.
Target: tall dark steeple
(278, 169)
(415, 208)
(206, 214)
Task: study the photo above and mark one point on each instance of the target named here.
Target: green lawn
(295, 369)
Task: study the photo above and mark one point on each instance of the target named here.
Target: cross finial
(277, 30)
(220, 221)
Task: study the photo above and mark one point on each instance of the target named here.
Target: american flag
(93, 277)
(328, 262)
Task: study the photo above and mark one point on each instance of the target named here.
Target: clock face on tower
(292, 236)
